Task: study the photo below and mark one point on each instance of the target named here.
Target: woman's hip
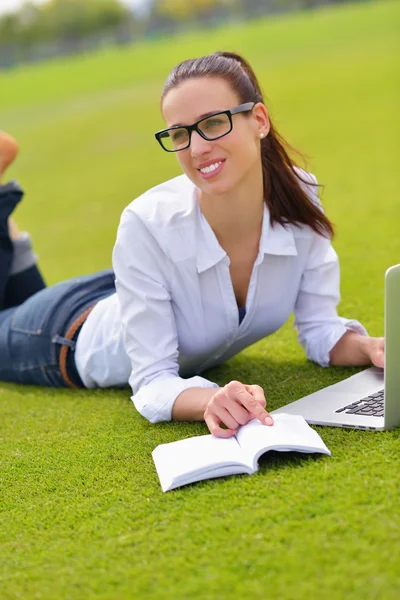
(32, 334)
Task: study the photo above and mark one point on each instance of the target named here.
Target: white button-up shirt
(175, 312)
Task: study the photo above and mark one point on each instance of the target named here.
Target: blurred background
(39, 29)
(80, 85)
(80, 82)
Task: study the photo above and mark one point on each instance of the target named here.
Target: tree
(61, 20)
(184, 9)
(73, 19)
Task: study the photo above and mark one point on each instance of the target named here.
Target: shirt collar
(209, 250)
(277, 240)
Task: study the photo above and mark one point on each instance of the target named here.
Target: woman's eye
(177, 135)
(213, 123)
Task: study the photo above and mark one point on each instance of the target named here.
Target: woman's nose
(198, 145)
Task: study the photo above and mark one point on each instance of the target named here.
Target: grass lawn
(82, 514)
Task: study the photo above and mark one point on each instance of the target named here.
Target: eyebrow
(202, 116)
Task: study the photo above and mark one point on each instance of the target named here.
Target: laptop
(370, 399)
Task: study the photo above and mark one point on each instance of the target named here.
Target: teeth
(211, 168)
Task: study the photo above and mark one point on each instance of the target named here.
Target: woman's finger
(225, 416)
(238, 392)
(214, 427)
(377, 353)
(221, 399)
(239, 413)
(258, 393)
(378, 358)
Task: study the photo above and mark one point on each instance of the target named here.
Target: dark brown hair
(286, 199)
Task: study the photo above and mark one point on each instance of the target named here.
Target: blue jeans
(14, 288)
(31, 334)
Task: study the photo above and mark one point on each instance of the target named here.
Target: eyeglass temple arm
(242, 108)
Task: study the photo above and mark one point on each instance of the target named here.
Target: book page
(289, 433)
(191, 459)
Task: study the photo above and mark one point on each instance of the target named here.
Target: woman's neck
(236, 215)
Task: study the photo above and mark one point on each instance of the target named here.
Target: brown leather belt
(69, 335)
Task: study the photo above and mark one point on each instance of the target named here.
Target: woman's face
(236, 156)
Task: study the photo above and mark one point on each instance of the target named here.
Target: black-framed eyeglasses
(210, 128)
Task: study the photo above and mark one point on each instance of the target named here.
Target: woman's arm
(328, 338)
(354, 350)
(191, 404)
(233, 405)
(142, 274)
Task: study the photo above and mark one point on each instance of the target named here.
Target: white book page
(212, 474)
(289, 432)
(192, 459)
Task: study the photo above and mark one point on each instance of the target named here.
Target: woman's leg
(34, 318)
(32, 334)
(8, 151)
(20, 277)
(25, 278)
(10, 195)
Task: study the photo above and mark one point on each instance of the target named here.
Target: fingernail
(269, 421)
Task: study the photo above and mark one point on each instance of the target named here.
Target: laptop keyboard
(372, 405)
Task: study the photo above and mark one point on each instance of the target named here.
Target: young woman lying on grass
(205, 265)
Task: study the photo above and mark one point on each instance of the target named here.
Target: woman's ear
(260, 114)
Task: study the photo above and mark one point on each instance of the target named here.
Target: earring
(261, 135)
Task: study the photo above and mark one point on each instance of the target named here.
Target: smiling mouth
(212, 169)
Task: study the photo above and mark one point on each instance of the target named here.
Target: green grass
(82, 513)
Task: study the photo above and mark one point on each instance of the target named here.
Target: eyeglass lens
(211, 127)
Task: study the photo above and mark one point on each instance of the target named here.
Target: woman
(205, 264)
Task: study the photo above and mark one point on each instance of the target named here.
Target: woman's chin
(218, 186)
(214, 187)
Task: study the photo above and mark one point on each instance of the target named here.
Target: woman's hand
(355, 350)
(376, 349)
(233, 405)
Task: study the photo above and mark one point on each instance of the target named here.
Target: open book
(206, 456)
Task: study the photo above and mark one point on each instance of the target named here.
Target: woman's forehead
(193, 98)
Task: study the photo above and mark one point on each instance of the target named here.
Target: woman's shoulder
(163, 218)
(169, 202)
(306, 177)
(309, 184)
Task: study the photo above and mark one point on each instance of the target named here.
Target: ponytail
(284, 188)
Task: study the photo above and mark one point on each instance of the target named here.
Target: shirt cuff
(322, 352)
(155, 400)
